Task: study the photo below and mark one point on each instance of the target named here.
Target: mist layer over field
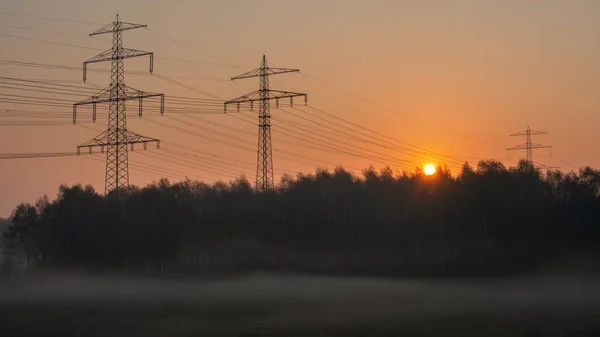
(545, 303)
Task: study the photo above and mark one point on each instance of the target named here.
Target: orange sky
(454, 77)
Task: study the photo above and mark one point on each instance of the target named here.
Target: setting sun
(429, 169)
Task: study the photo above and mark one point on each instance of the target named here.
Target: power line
(29, 103)
(194, 49)
(175, 106)
(31, 155)
(172, 81)
(192, 133)
(176, 111)
(57, 88)
(200, 62)
(47, 83)
(49, 18)
(399, 141)
(37, 98)
(32, 124)
(208, 129)
(219, 101)
(209, 161)
(21, 88)
(144, 166)
(369, 140)
(177, 103)
(293, 157)
(195, 102)
(156, 169)
(563, 161)
(71, 68)
(41, 30)
(212, 156)
(32, 116)
(279, 156)
(56, 43)
(196, 164)
(324, 146)
(381, 107)
(203, 76)
(151, 30)
(315, 160)
(350, 149)
(96, 49)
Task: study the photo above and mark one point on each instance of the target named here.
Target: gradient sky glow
(456, 77)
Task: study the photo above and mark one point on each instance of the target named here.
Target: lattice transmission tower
(528, 146)
(117, 138)
(265, 179)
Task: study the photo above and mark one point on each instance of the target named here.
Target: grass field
(272, 305)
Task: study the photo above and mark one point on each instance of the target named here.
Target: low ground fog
(562, 296)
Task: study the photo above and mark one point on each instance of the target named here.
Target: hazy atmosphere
(536, 305)
(454, 77)
(299, 168)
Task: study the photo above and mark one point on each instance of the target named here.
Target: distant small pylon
(528, 146)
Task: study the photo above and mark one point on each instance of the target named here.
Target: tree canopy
(487, 220)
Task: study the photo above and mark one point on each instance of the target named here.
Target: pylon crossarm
(128, 94)
(253, 96)
(256, 96)
(534, 132)
(267, 72)
(131, 138)
(96, 141)
(544, 166)
(276, 94)
(277, 71)
(101, 95)
(104, 97)
(125, 54)
(102, 57)
(518, 147)
(531, 146)
(249, 74)
(540, 146)
(117, 26)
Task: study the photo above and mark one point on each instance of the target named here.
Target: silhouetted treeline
(4, 224)
(487, 220)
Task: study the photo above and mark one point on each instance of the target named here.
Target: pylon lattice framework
(528, 146)
(116, 138)
(265, 179)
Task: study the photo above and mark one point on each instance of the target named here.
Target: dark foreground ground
(557, 303)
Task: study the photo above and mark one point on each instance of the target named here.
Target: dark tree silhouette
(487, 220)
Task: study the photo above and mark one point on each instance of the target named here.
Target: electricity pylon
(264, 161)
(528, 146)
(116, 138)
